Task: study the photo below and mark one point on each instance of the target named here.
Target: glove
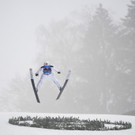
(36, 74)
(58, 72)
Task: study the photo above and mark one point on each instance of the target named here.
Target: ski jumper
(47, 74)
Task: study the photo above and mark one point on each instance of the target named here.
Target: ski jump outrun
(47, 73)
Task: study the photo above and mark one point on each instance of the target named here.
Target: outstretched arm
(37, 73)
(56, 70)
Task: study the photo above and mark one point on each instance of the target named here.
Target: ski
(65, 83)
(33, 85)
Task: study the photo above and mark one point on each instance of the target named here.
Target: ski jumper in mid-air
(47, 74)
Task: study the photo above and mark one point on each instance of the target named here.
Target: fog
(92, 38)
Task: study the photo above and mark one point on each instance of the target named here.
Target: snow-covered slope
(8, 129)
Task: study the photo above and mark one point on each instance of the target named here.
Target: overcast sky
(19, 20)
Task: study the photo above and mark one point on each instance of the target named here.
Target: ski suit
(47, 74)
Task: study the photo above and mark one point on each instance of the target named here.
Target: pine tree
(98, 56)
(129, 20)
(125, 54)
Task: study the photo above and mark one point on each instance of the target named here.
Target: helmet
(46, 63)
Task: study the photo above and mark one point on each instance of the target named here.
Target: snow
(8, 129)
